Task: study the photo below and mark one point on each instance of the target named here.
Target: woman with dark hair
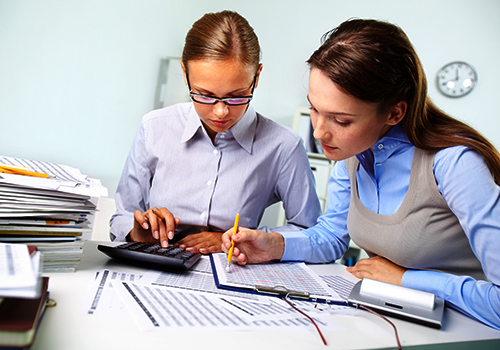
(201, 163)
(402, 187)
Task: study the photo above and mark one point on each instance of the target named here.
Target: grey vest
(422, 234)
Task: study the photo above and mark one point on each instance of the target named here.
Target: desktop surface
(66, 327)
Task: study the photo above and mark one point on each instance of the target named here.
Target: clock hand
(456, 79)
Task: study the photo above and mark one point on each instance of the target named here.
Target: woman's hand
(378, 268)
(252, 246)
(150, 227)
(203, 242)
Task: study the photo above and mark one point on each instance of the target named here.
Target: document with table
(290, 279)
(167, 300)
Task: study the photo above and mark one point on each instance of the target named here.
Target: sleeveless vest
(422, 234)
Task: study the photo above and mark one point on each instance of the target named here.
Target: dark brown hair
(221, 36)
(375, 62)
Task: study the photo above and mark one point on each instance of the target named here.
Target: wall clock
(456, 79)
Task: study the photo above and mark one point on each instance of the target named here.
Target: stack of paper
(53, 211)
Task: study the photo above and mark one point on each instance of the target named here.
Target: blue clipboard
(278, 290)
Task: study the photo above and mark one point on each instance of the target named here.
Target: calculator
(152, 255)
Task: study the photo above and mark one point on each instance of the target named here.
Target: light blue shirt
(174, 164)
(465, 183)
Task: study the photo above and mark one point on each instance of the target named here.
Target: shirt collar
(193, 123)
(394, 141)
(396, 133)
(243, 131)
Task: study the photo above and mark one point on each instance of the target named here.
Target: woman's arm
(471, 193)
(295, 185)
(132, 193)
(328, 239)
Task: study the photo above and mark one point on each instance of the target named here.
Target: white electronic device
(401, 302)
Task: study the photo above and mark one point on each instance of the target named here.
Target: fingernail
(145, 225)
(156, 235)
(164, 244)
(170, 235)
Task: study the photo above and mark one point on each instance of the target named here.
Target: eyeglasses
(230, 101)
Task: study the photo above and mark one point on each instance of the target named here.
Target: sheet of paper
(20, 272)
(191, 281)
(340, 284)
(16, 270)
(161, 308)
(65, 178)
(270, 308)
(101, 298)
(293, 276)
(320, 308)
(203, 265)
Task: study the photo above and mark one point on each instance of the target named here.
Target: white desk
(65, 327)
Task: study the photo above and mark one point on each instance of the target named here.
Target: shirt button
(380, 146)
(209, 183)
(216, 151)
(202, 216)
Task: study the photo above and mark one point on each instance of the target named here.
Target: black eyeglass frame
(223, 99)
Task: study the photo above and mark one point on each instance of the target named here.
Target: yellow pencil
(230, 253)
(21, 170)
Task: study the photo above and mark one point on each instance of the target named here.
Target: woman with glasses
(201, 163)
(414, 187)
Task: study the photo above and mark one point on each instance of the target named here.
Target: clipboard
(284, 279)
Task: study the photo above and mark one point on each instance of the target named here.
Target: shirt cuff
(428, 281)
(297, 246)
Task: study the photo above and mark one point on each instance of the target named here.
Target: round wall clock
(456, 79)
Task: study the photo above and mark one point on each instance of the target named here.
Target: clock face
(456, 79)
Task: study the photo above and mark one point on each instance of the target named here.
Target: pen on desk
(230, 253)
(21, 170)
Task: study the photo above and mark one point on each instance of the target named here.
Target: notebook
(20, 317)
